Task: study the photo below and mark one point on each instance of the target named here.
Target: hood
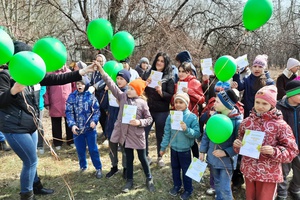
(273, 114)
(184, 56)
(189, 78)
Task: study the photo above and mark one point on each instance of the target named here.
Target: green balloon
(52, 51)
(257, 13)
(6, 47)
(219, 128)
(27, 68)
(99, 33)
(122, 45)
(225, 68)
(112, 68)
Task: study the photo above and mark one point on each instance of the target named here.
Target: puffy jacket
(279, 135)
(282, 80)
(100, 92)
(181, 141)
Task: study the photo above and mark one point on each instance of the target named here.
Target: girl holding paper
(278, 146)
(132, 134)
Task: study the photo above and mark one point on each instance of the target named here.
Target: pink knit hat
(268, 93)
(261, 60)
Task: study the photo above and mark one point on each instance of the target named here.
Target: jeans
(143, 160)
(180, 161)
(87, 138)
(24, 145)
(2, 137)
(160, 119)
(41, 132)
(57, 131)
(113, 154)
(222, 180)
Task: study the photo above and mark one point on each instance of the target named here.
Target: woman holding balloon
(159, 99)
(19, 113)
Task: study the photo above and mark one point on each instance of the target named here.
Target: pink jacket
(57, 95)
(279, 135)
(132, 136)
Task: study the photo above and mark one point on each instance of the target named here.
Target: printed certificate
(129, 113)
(252, 142)
(196, 169)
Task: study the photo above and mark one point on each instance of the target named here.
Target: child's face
(219, 106)
(294, 100)
(121, 82)
(294, 69)
(144, 66)
(261, 106)
(80, 86)
(182, 74)
(179, 105)
(257, 70)
(131, 93)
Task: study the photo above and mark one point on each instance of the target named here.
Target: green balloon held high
(112, 68)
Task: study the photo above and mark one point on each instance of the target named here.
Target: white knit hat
(292, 62)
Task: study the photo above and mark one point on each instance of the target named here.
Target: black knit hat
(292, 88)
(21, 46)
(228, 98)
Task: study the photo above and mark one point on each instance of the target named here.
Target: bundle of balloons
(30, 67)
(100, 34)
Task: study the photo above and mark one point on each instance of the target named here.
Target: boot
(27, 196)
(4, 146)
(39, 189)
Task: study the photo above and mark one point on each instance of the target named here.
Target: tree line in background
(206, 28)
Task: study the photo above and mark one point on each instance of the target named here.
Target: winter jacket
(132, 136)
(157, 103)
(207, 146)
(291, 115)
(100, 92)
(181, 141)
(14, 114)
(82, 108)
(249, 92)
(208, 87)
(140, 71)
(279, 135)
(282, 80)
(195, 93)
(56, 96)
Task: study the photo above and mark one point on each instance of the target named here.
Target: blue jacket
(181, 140)
(207, 146)
(249, 93)
(81, 110)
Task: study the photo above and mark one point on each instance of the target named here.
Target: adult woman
(18, 111)
(159, 99)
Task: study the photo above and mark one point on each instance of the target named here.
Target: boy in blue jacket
(82, 112)
(181, 143)
(221, 157)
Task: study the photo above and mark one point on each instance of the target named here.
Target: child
(131, 135)
(251, 84)
(221, 157)
(279, 146)
(181, 143)
(82, 112)
(290, 108)
(123, 78)
(143, 66)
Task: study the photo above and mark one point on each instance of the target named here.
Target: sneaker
(112, 172)
(124, 173)
(58, 148)
(150, 184)
(106, 143)
(128, 186)
(82, 170)
(41, 150)
(160, 162)
(98, 174)
(4, 146)
(149, 159)
(210, 191)
(174, 191)
(186, 195)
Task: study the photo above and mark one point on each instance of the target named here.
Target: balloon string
(244, 35)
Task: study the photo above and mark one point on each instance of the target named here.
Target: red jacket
(195, 93)
(279, 135)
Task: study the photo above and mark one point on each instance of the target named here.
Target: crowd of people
(252, 100)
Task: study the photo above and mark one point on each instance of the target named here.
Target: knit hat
(138, 85)
(268, 93)
(81, 64)
(144, 60)
(261, 60)
(292, 62)
(292, 88)
(228, 98)
(220, 86)
(184, 97)
(124, 73)
(21, 46)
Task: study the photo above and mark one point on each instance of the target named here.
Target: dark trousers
(143, 160)
(102, 120)
(57, 132)
(195, 150)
